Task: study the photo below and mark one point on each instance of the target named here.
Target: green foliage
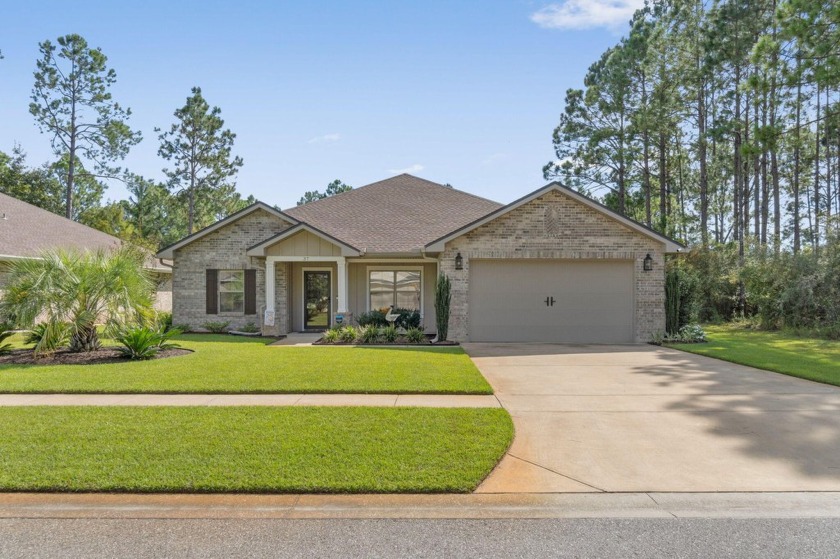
(672, 301)
(371, 318)
(79, 289)
(48, 336)
(163, 321)
(143, 342)
(415, 335)
(409, 318)
(249, 328)
(335, 187)
(333, 335)
(204, 168)
(6, 331)
(368, 335)
(348, 334)
(443, 299)
(216, 326)
(389, 333)
(71, 102)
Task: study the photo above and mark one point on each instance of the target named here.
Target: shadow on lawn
(769, 415)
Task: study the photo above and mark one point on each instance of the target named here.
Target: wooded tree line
(716, 123)
(90, 133)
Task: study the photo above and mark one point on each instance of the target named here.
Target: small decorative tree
(443, 297)
(79, 289)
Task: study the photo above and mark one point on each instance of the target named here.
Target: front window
(400, 288)
(232, 291)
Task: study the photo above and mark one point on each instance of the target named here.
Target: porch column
(269, 286)
(341, 264)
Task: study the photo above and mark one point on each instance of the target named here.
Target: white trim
(270, 300)
(369, 269)
(304, 258)
(259, 250)
(424, 260)
(440, 244)
(343, 287)
(303, 270)
(169, 252)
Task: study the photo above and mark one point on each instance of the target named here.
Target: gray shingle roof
(27, 231)
(397, 215)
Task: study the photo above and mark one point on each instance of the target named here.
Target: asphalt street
(279, 538)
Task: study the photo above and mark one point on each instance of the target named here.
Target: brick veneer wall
(575, 232)
(224, 249)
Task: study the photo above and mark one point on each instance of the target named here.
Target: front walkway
(642, 418)
(381, 400)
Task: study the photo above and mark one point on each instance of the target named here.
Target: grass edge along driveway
(781, 352)
(250, 449)
(224, 364)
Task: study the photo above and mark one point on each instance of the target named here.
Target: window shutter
(212, 290)
(250, 292)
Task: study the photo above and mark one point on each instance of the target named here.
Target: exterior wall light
(459, 262)
(648, 263)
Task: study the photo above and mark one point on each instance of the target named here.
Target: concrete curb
(473, 506)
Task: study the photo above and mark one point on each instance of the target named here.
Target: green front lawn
(250, 449)
(228, 364)
(807, 358)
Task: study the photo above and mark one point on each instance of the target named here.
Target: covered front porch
(314, 282)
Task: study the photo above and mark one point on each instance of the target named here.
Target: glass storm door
(316, 299)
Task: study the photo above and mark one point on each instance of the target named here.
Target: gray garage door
(569, 301)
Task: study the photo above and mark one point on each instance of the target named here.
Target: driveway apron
(633, 418)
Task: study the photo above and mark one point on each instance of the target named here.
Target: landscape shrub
(371, 318)
(415, 335)
(249, 328)
(348, 334)
(217, 327)
(49, 341)
(443, 298)
(409, 318)
(332, 335)
(368, 334)
(389, 333)
(143, 342)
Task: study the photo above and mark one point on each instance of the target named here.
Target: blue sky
(461, 92)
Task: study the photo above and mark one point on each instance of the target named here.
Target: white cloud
(416, 168)
(586, 14)
(326, 138)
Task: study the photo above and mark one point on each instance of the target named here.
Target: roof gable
(169, 251)
(261, 248)
(438, 245)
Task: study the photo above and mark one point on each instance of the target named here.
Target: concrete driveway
(642, 418)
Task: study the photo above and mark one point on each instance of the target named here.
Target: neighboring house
(552, 266)
(26, 231)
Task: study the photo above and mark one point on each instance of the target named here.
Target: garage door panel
(593, 301)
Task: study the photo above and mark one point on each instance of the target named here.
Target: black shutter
(212, 290)
(250, 292)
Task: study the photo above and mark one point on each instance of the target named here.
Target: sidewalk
(494, 506)
(386, 400)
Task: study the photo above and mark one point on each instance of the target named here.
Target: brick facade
(554, 226)
(224, 249)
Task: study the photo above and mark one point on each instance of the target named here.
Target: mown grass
(250, 449)
(224, 364)
(782, 352)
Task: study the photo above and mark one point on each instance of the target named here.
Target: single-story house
(26, 231)
(552, 266)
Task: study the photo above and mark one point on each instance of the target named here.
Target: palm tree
(78, 289)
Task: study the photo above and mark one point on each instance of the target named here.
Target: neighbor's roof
(26, 231)
(397, 215)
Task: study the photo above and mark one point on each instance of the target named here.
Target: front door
(317, 295)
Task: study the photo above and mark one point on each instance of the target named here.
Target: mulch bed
(64, 357)
(397, 343)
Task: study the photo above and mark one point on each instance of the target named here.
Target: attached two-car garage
(568, 301)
